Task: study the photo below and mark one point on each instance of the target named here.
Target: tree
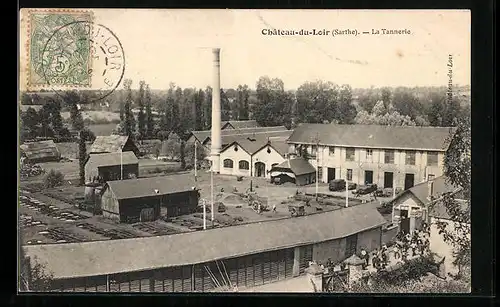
(172, 147)
(26, 99)
(53, 179)
(82, 156)
(30, 122)
(189, 153)
(73, 101)
(386, 96)
(32, 275)
(346, 111)
(149, 115)
(225, 106)
(452, 111)
(274, 105)
(44, 119)
(367, 100)
(128, 120)
(457, 169)
(435, 111)
(317, 102)
(207, 108)
(242, 96)
(56, 120)
(141, 118)
(198, 110)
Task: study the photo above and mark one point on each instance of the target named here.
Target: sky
(163, 46)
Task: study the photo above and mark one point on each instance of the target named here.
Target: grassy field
(147, 167)
(102, 129)
(97, 116)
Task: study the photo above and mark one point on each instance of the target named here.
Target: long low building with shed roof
(113, 143)
(389, 156)
(250, 254)
(296, 170)
(111, 166)
(41, 151)
(144, 199)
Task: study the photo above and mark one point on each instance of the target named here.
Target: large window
(244, 165)
(389, 157)
(228, 163)
(349, 174)
(331, 151)
(349, 154)
(432, 159)
(410, 158)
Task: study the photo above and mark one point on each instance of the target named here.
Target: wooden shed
(41, 151)
(297, 170)
(112, 166)
(114, 143)
(142, 199)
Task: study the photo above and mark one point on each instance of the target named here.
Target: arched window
(244, 165)
(228, 163)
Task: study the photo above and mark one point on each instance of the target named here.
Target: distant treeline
(178, 110)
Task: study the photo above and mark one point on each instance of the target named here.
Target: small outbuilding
(41, 151)
(296, 170)
(112, 166)
(113, 143)
(143, 199)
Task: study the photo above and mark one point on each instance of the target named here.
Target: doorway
(409, 181)
(404, 224)
(368, 177)
(331, 174)
(260, 169)
(388, 179)
(350, 245)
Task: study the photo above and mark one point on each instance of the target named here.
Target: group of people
(410, 245)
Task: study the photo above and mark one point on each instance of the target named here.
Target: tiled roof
(111, 159)
(373, 136)
(126, 255)
(145, 187)
(108, 143)
(298, 166)
(252, 144)
(40, 150)
(240, 124)
(202, 136)
(440, 186)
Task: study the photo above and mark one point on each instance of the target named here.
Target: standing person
(365, 257)
(274, 208)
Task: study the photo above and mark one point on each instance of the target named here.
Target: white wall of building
(375, 163)
(273, 157)
(236, 156)
(268, 158)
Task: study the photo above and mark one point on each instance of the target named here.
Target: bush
(53, 179)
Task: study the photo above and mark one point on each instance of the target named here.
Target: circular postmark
(83, 55)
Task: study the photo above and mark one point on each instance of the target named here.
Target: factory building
(111, 166)
(248, 255)
(253, 156)
(388, 156)
(203, 138)
(145, 199)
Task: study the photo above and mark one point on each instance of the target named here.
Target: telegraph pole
(195, 162)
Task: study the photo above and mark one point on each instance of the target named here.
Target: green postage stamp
(59, 48)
